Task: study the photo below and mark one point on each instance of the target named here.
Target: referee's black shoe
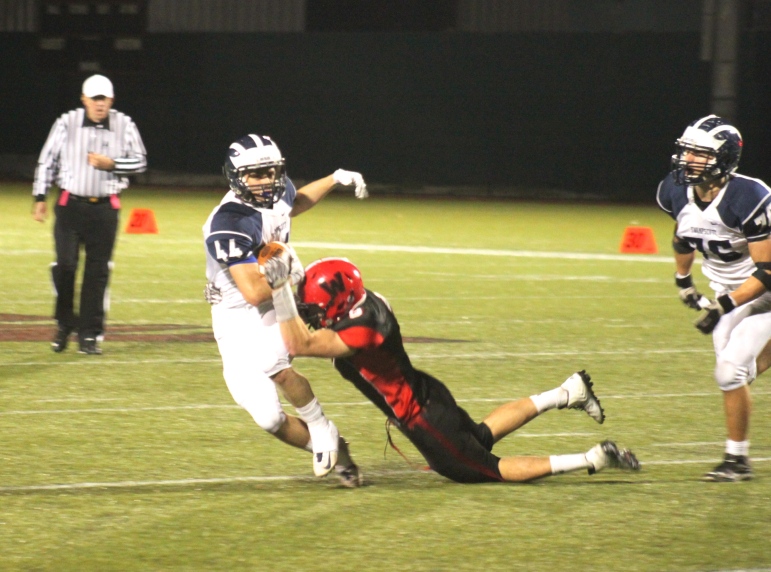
(734, 468)
(59, 343)
(89, 346)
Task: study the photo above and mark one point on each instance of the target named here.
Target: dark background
(408, 105)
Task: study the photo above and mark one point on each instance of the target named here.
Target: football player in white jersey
(727, 217)
(257, 210)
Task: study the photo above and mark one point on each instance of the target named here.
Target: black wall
(590, 113)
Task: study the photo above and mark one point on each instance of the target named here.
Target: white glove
(212, 294)
(276, 271)
(711, 315)
(688, 293)
(280, 269)
(691, 298)
(296, 270)
(347, 178)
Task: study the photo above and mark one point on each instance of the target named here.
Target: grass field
(138, 460)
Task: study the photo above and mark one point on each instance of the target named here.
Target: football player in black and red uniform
(357, 328)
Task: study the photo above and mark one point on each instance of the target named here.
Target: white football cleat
(607, 455)
(324, 462)
(581, 395)
(325, 446)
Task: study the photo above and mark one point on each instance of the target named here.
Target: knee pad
(253, 391)
(730, 376)
(268, 418)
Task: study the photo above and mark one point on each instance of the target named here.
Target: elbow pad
(762, 274)
(681, 247)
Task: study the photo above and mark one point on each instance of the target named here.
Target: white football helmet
(251, 153)
(712, 136)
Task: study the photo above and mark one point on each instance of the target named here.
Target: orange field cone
(639, 240)
(142, 221)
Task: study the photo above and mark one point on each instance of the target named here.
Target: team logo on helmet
(332, 287)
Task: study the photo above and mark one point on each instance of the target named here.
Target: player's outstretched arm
(298, 339)
(313, 192)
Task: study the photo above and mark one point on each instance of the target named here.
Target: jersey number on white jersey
(720, 248)
(233, 250)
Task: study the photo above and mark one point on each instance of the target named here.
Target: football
(271, 250)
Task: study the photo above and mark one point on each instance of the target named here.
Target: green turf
(161, 471)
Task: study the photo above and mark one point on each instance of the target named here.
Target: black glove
(712, 313)
(689, 295)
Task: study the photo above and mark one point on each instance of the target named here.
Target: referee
(88, 155)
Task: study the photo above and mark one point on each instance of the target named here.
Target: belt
(91, 200)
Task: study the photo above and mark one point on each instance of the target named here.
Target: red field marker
(142, 221)
(639, 240)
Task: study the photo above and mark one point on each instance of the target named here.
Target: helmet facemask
(702, 170)
(312, 314)
(263, 195)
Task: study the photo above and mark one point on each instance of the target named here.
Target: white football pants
(252, 350)
(739, 338)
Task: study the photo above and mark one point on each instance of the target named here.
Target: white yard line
(119, 409)
(204, 406)
(414, 356)
(177, 482)
(85, 361)
(693, 444)
(266, 479)
(700, 461)
(333, 246)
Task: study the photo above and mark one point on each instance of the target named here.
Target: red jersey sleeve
(361, 337)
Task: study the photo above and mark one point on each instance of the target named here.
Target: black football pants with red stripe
(455, 446)
(95, 227)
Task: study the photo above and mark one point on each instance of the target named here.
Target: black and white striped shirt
(64, 158)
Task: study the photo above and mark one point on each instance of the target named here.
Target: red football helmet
(334, 286)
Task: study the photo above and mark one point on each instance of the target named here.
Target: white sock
(552, 399)
(567, 463)
(740, 448)
(324, 435)
(312, 413)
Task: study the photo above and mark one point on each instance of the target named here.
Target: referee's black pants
(95, 226)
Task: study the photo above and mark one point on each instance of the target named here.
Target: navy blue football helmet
(711, 137)
(252, 153)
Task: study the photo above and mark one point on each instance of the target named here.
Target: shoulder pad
(290, 193)
(745, 200)
(671, 197)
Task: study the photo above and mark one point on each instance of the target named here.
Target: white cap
(98, 85)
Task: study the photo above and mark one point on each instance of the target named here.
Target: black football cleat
(347, 471)
(89, 346)
(733, 469)
(62, 337)
(607, 455)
